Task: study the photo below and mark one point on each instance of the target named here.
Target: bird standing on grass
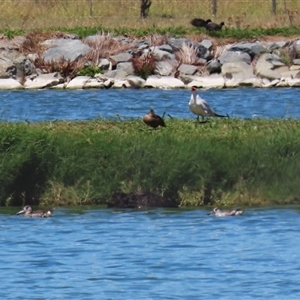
(153, 120)
(200, 107)
(214, 27)
(197, 22)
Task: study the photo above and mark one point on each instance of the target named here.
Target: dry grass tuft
(143, 65)
(187, 54)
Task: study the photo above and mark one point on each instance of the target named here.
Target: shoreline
(64, 61)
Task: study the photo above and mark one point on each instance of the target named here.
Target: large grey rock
(187, 69)
(161, 54)
(265, 68)
(121, 57)
(163, 68)
(7, 68)
(234, 56)
(238, 70)
(125, 68)
(251, 48)
(64, 49)
(213, 66)
(176, 44)
(43, 81)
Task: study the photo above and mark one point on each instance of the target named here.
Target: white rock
(43, 81)
(136, 81)
(93, 83)
(10, 84)
(165, 82)
(213, 81)
(78, 82)
(121, 84)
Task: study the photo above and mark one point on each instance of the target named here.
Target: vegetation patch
(223, 162)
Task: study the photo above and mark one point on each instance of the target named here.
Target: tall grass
(42, 14)
(241, 162)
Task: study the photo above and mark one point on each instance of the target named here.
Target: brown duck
(153, 120)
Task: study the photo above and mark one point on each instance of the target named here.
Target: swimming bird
(28, 212)
(153, 120)
(200, 107)
(197, 22)
(227, 213)
(214, 27)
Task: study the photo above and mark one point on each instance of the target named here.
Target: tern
(200, 107)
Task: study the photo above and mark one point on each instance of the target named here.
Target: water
(151, 254)
(49, 105)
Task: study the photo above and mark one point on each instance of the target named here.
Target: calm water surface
(49, 105)
(151, 254)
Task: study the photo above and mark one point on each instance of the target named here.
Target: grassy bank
(33, 14)
(228, 162)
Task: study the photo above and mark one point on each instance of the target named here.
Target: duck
(227, 213)
(214, 26)
(28, 212)
(153, 120)
(200, 107)
(197, 22)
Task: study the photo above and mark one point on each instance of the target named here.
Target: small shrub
(143, 65)
(89, 71)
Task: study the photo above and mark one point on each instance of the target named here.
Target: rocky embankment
(179, 62)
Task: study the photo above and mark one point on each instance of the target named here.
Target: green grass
(228, 162)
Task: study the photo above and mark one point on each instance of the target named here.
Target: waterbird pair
(197, 106)
(226, 213)
(28, 212)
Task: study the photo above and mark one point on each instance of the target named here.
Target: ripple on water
(155, 254)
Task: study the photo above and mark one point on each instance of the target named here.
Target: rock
(296, 61)
(160, 54)
(187, 69)
(43, 81)
(78, 82)
(238, 71)
(139, 200)
(125, 69)
(121, 57)
(234, 56)
(64, 49)
(10, 84)
(94, 83)
(213, 66)
(252, 49)
(165, 82)
(7, 68)
(213, 81)
(264, 67)
(120, 84)
(163, 68)
(136, 81)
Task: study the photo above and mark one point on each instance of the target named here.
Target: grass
(243, 19)
(228, 162)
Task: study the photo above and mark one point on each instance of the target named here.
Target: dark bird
(200, 22)
(214, 27)
(153, 120)
(200, 107)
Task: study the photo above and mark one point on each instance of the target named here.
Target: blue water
(49, 105)
(151, 254)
